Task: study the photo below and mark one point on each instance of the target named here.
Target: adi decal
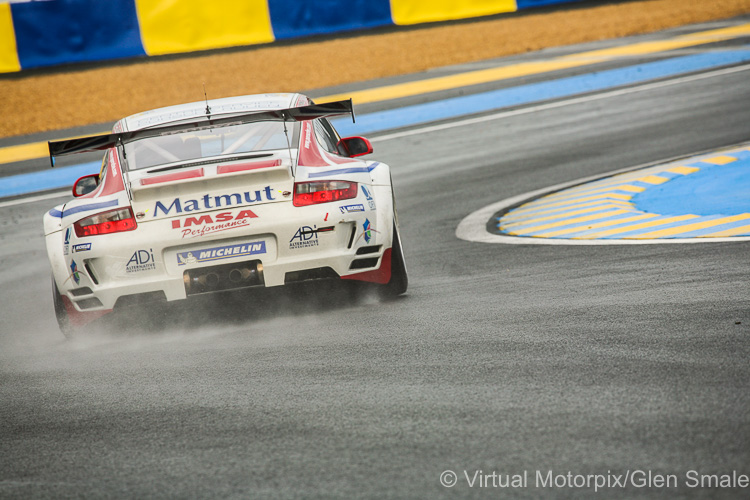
(141, 260)
(305, 237)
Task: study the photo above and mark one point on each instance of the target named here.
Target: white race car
(220, 195)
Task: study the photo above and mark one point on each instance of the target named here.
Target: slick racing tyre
(399, 281)
(61, 313)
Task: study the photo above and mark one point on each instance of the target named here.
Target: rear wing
(106, 141)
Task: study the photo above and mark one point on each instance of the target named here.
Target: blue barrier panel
(71, 31)
(68, 31)
(294, 19)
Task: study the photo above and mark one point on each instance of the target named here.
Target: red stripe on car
(176, 176)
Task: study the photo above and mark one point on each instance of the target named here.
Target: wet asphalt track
(504, 358)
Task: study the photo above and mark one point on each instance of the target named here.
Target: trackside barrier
(42, 33)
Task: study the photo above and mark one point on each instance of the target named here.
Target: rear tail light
(312, 193)
(112, 221)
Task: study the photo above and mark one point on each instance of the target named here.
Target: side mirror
(85, 185)
(354, 146)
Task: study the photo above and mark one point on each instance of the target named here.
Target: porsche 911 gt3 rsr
(221, 195)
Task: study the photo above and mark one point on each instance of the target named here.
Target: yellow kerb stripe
(692, 227)
(644, 225)
(513, 223)
(526, 214)
(605, 196)
(721, 160)
(729, 232)
(569, 221)
(572, 195)
(588, 227)
(653, 179)
(683, 170)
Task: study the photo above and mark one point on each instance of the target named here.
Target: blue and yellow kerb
(702, 197)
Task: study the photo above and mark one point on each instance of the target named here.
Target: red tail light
(312, 193)
(112, 221)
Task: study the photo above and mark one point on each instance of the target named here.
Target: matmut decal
(223, 252)
(201, 225)
(211, 202)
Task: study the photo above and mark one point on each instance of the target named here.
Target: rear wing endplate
(106, 141)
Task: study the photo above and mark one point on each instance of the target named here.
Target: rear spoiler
(106, 141)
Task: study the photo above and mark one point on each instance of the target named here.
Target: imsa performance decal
(222, 252)
(201, 225)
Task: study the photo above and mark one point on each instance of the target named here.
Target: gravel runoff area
(73, 96)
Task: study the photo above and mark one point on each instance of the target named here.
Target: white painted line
(20, 201)
(558, 104)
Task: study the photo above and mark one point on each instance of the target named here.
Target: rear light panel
(112, 221)
(312, 193)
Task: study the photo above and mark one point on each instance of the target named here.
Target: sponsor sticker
(179, 206)
(74, 273)
(66, 242)
(222, 252)
(82, 247)
(352, 208)
(370, 200)
(305, 237)
(367, 231)
(141, 260)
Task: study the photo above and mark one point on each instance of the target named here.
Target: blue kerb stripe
(587, 232)
(571, 204)
(514, 216)
(350, 170)
(48, 179)
(579, 224)
(83, 208)
(716, 229)
(669, 225)
(526, 227)
(526, 94)
(553, 218)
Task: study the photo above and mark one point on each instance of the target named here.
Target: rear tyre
(399, 281)
(61, 313)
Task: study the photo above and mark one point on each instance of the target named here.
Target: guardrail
(43, 33)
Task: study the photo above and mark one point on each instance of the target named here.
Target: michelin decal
(222, 252)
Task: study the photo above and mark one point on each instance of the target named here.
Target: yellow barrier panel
(175, 26)
(8, 55)
(427, 11)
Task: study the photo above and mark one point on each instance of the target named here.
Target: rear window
(215, 142)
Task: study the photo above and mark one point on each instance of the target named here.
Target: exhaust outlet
(223, 277)
(212, 280)
(241, 274)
